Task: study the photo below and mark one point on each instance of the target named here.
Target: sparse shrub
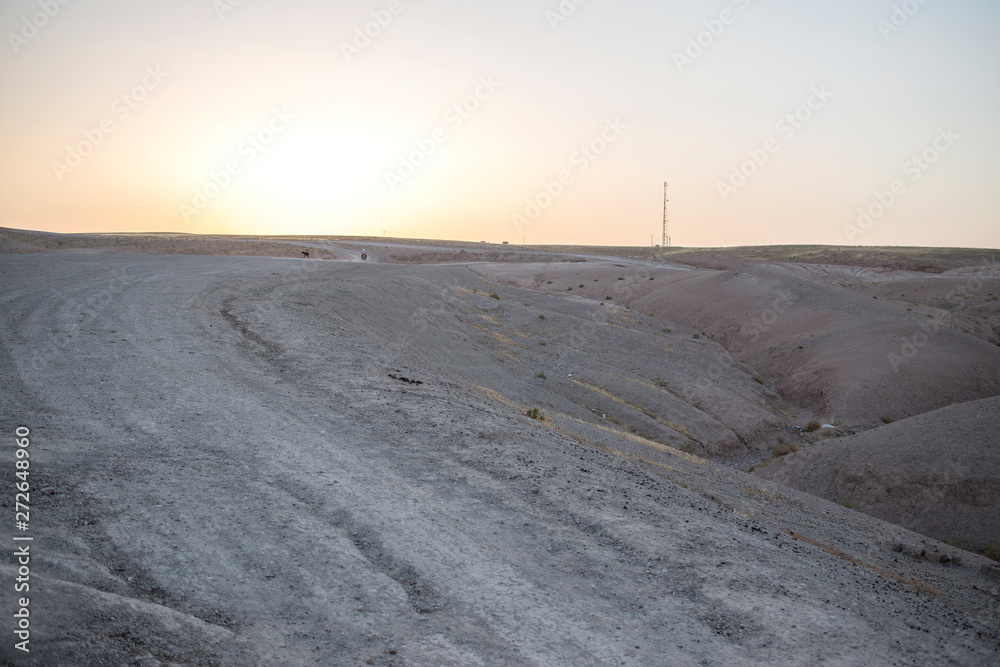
(780, 450)
(667, 330)
(992, 550)
(541, 317)
(848, 504)
(535, 413)
(696, 336)
(549, 282)
(607, 298)
(569, 289)
(688, 448)
(621, 279)
(812, 426)
(540, 375)
(581, 286)
(758, 379)
(542, 343)
(794, 446)
(495, 296)
(888, 419)
(652, 278)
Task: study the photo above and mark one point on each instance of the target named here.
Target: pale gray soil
(225, 471)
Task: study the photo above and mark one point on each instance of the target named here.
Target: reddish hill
(938, 473)
(831, 350)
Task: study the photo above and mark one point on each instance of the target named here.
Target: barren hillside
(937, 473)
(262, 460)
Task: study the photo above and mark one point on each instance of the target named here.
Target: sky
(869, 122)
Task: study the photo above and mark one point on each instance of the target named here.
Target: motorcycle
(364, 256)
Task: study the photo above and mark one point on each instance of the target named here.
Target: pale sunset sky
(552, 122)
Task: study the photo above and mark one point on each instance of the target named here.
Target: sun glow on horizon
(257, 122)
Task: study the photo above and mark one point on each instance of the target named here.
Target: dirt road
(225, 471)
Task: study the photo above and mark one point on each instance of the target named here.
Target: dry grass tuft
(784, 449)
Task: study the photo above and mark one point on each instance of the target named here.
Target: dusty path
(231, 475)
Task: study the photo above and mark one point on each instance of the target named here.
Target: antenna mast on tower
(666, 236)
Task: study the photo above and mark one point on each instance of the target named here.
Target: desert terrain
(479, 454)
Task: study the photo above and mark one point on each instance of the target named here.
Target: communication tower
(666, 230)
